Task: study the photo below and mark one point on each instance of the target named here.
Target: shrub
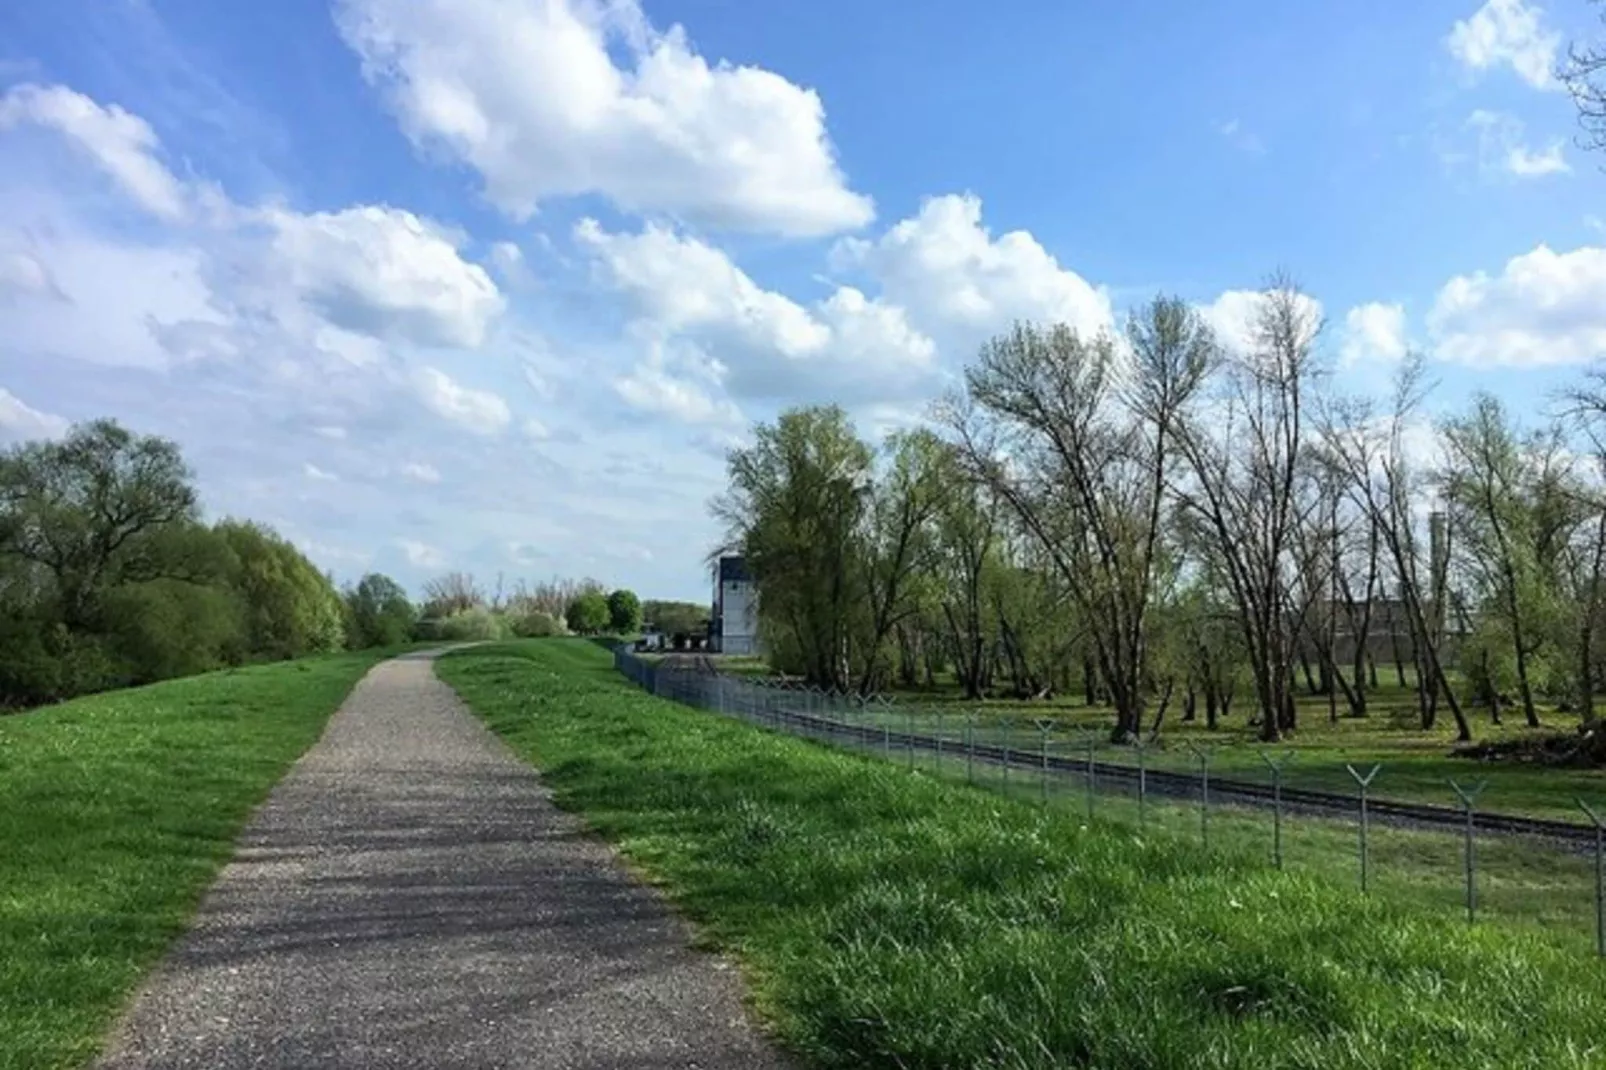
(588, 614)
(473, 624)
(535, 624)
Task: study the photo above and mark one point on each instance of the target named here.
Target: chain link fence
(1546, 875)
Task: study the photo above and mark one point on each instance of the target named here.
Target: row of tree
(1165, 521)
(109, 577)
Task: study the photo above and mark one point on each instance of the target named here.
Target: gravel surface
(410, 897)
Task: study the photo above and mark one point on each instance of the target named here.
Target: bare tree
(1242, 482)
(452, 593)
(1372, 457)
(1078, 446)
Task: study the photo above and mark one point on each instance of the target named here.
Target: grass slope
(116, 811)
(896, 920)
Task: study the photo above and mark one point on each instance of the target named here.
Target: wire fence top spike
(1276, 764)
(1470, 795)
(1594, 815)
(1363, 781)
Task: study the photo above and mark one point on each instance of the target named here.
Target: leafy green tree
(291, 608)
(797, 506)
(624, 612)
(588, 614)
(378, 613)
(88, 510)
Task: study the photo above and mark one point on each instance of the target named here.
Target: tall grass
(889, 919)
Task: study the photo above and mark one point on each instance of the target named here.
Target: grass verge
(116, 811)
(897, 920)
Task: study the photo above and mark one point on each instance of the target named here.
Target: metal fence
(1453, 854)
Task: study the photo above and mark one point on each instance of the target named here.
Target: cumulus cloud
(757, 342)
(960, 284)
(552, 98)
(122, 145)
(385, 273)
(20, 423)
(1373, 332)
(480, 411)
(1234, 316)
(1507, 33)
(318, 475)
(1543, 308)
(1501, 147)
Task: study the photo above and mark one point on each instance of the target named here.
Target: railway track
(696, 671)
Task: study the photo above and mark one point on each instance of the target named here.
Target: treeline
(457, 607)
(110, 578)
(1165, 522)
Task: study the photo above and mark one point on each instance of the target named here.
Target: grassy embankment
(116, 811)
(898, 920)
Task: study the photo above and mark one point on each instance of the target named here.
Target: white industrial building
(734, 627)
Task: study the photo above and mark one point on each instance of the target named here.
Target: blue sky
(492, 284)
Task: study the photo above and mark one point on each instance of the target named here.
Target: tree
(796, 507)
(378, 613)
(1242, 483)
(455, 592)
(88, 509)
(624, 612)
(291, 608)
(588, 614)
(1584, 75)
(1079, 447)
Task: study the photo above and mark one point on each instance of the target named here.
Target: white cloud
(318, 475)
(652, 387)
(419, 472)
(1373, 332)
(480, 411)
(1501, 147)
(961, 285)
(552, 98)
(1543, 308)
(1233, 316)
(1528, 163)
(19, 422)
(331, 431)
(386, 273)
(1508, 33)
(421, 555)
(122, 145)
(536, 430)
(757, 342)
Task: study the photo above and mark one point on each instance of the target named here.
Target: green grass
(116, 811)
(897, 920)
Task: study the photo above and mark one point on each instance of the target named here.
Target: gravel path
(410, 897)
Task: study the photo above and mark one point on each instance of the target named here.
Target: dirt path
(410, 897)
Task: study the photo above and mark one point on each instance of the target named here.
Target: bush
(471, 625)
(534, 624)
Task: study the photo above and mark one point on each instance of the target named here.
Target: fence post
(1276, 768)
(1044, 725)
(1089, 741)
(1203, 755)
(1364, 782)
(1143, 783)
(938, 760)
(1600, 877)
(1468, 800)
(909, 737)
(1008, 725)
(970, 748)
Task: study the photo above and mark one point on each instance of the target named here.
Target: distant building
(734, 627)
